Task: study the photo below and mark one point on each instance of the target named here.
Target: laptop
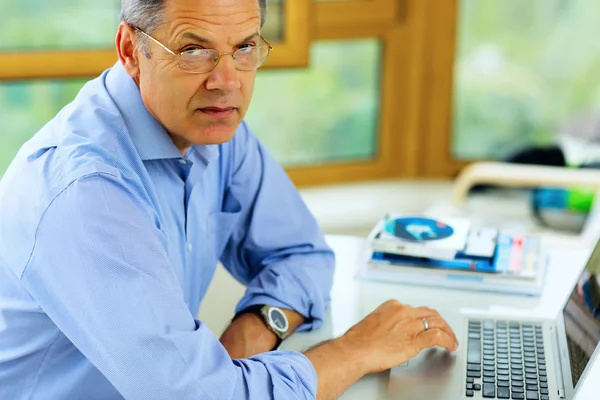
(511, 358)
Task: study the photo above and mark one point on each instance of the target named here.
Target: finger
(438, 322)
(391, 304)
(424, 312)
(436, 337)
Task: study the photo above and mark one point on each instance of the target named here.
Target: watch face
(278, 320)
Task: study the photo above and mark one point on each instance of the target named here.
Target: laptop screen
(582, 316)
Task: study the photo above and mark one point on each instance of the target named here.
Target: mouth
(218, 112)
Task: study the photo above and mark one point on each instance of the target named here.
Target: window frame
(291, 52)
(437, 120)
(398, 137)
(402, 26)
(361, 13)
(294, 50)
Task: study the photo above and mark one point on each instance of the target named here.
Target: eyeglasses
(201, 61)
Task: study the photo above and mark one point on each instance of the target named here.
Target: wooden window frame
(291, 52)
(400, 97)
(402, 26)
(361, 13)
(437, 118)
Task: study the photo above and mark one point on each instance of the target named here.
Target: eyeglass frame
(221, 54)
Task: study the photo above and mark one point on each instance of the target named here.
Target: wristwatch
(274, 318)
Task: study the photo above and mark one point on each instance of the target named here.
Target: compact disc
(418, 229)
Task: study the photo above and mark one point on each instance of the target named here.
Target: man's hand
(249, 335)
(394, 333)
(389, 336)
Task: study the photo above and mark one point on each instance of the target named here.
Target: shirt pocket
(221, 223)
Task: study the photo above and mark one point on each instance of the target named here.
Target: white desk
(353, 299)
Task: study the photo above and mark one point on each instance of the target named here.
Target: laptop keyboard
(506, 360)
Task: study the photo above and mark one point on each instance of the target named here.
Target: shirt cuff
(292, 374)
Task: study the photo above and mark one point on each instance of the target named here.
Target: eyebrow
(199, 39)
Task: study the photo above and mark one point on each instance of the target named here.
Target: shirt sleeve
(278, 250)
(100, 271)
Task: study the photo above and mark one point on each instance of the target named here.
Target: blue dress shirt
(109, 238)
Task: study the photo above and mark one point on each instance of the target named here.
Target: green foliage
(524, 69)
(57, 24)
(324, 113)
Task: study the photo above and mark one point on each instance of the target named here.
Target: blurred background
(358, 90)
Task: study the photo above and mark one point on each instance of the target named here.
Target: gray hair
(148, 15)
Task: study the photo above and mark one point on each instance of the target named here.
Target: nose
(224, 76)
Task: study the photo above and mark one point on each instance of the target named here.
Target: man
(113, 217)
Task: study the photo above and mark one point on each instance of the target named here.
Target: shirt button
(190, 247)
(182, 161)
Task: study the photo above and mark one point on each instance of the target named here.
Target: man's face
(200, 108)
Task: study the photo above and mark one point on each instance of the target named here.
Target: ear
(127, 50)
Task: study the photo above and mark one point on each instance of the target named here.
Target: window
(505, 75)
(274, 27)
(338, 73)
(25, 107)
(58, 24)
(327, 112)
(519, 77)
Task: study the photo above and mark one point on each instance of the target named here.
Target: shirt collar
(149, 137)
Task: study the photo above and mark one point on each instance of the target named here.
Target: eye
(196, 51)
(246, 47)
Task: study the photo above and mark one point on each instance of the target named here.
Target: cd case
(420, 236)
